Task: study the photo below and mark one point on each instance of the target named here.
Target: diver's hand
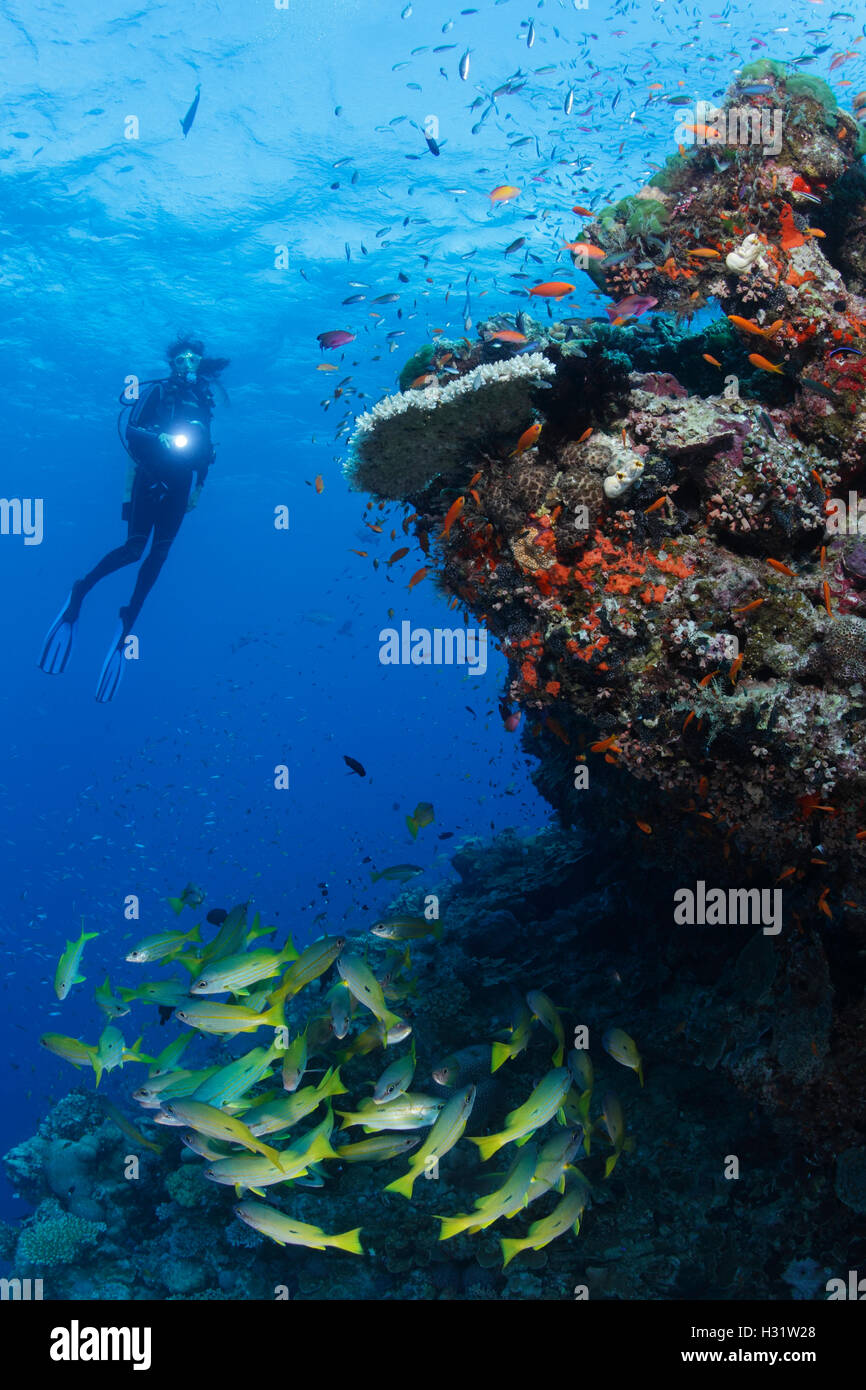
(166, 441)
(193, 499)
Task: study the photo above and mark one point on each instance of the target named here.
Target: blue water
(260, 647)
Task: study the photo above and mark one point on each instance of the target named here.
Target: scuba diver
(168, 440)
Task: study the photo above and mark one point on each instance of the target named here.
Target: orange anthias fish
(827, 603)
(706, 252)
(714, 361)
(508, 335)
(320, 484)
(584, 212)
(842, 58)
(426, 379)
(749, 327)
(417, 577)
(777, 565)
(504, 192)
(705, 131)
(765, 366)
(604, 744)
(585, 248)
(527, 439)
(553, 289)
(398, 554)
(585, 436)
(452, 514)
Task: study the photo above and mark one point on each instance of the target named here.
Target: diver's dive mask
(187, 364)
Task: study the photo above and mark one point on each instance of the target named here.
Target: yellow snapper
(237, 1077)
(161, 945)
(152, 1092)
(111, 1052)
(230, 938)
(270, 1115)
(623, 1049)
(286, 1231)
(373, 1037)
(447, 1130)
(311, 963)
(421, 817)
(541, 1106)
(507, 1200)
(409, 1111)
(295, 1062)
(213, 1123)
(168, 1059)
(470, 1063)
(407, 929)
(340, 1003)
(548, 1015)
(192, 896)
(129, 1129)
(521, 1031)
(377, 1149)
(565, 1216)
(255, 1172)
(396, 1079)
(361, 982)
(575, 1112)
(614, 1123)
(67, 967)
(554, 1159)
(205, 1148)
(228, 1019)
(80, 1054)
(111, 1007)
(579, 1063)
(168, 993)
(234, 973)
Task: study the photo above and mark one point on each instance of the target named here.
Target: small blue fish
(186, 123)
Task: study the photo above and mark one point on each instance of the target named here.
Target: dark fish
(217, 916)
(432, 146)
(820, 388)
(767, 423)
(186, 123)
(354, 765)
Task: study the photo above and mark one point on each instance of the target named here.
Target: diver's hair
(209, 366)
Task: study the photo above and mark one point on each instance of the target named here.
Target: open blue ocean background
(260, 647)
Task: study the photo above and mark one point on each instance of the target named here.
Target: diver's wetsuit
(161, 485)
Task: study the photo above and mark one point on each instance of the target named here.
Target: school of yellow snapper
(243, 1117)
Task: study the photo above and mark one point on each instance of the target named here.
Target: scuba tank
(130, 410)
